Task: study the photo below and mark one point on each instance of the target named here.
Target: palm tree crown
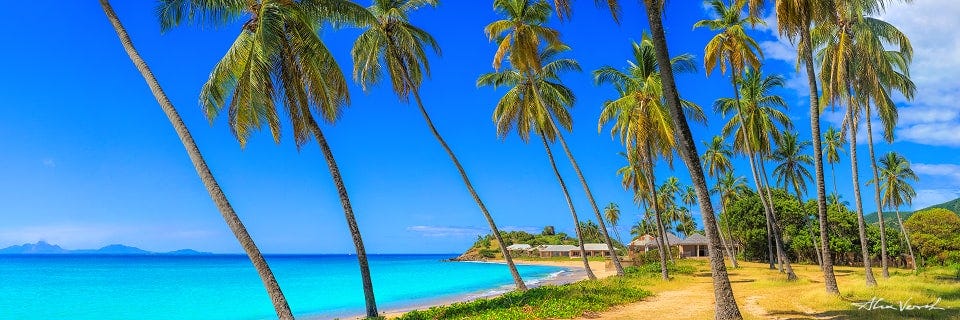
(792, 160)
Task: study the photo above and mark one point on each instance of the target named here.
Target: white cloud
(442, 231)
(929, 197)
(49, 163)
(948, 171)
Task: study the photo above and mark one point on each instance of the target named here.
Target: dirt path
(692, 302)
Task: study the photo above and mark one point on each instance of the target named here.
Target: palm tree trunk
(655, 205)
(775, 223)
(906, 236)
(749, 150)
(861, 225)
(593, 203)
(573, 211)
(726, 303)
(518, 282)
(876, 179)
(733, 259)
(830, 279)
(369, 298)
(200, 165)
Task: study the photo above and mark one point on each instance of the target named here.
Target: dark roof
(695, 239)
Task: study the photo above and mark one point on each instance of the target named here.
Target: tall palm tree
(755, 128)
(717, 160)
(685, 223)
(895, 177)
(612, 213)
(857, 67)
(734, 47)
(519, 37)
(726, 303)
(832, 148)
(794, 20)
(400, 47)
(280, 304)
(519, 111)
(278, 53)
(641, 120)
(728, 187)
(791, 170)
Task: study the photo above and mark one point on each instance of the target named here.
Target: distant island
(42, 247)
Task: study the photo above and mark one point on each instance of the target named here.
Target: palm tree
(754, 128)
(726, 303)
(279, 53)
(280, 304)
(641, 121)
(857, 68)
(685, 223)
(728, 187)
(791, 170)
(612, 213)
(392, 42)
(519, 37)
(794, 20)
(519, 111)
(734, 47)
(717, 160)
(895, 176)
(832, 148)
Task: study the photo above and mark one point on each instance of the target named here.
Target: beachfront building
(696, 245)
(596, 249)
(558, 250)
(646, 243)
(519, 248)
(693, 246)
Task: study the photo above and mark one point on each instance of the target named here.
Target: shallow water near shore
(227, 286)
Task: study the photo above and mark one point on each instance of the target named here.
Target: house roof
(519, 246)
(595, 247)
(557, 248)
(695, 239)
(650, 241)
(673, 239)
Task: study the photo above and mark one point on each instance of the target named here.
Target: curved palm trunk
(726, 303)
(876, 179)
(654, 204)
(829, 278)
(573, 212)
(861, 224)
(518, 282)
(753, 170)
(200, 165)
(593, 203)
(733, 259)
(906, 236)
(369, 298)
(775, 223)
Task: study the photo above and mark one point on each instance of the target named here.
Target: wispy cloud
(49, 163)
(948, 171)
(929, 197)
(447, 231)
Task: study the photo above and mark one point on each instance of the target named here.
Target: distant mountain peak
(43, 247)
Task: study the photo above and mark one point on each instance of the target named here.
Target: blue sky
(89, 159)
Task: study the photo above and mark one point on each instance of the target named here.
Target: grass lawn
(761, 294)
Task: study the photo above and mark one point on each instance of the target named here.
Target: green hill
(891, 217)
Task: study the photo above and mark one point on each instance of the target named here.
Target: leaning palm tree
(794, 20)
(279, 54)
(895, 177)
(791, 170)
(755, 128)
(394, 44)
(519, 37)
(832, 148)
(726, 303)
(518, 111)
(732, 46)
(641, 120)
(857, 68)
(612, 213)
(728, 188)
(723, 292)
(280, 304)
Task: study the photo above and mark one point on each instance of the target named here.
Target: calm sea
(227, 287)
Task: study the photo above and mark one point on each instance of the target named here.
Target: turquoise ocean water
(227, 287)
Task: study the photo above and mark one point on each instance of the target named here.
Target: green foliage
(935, 234)
(652, 269)
(548, 231)
(547, 302)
